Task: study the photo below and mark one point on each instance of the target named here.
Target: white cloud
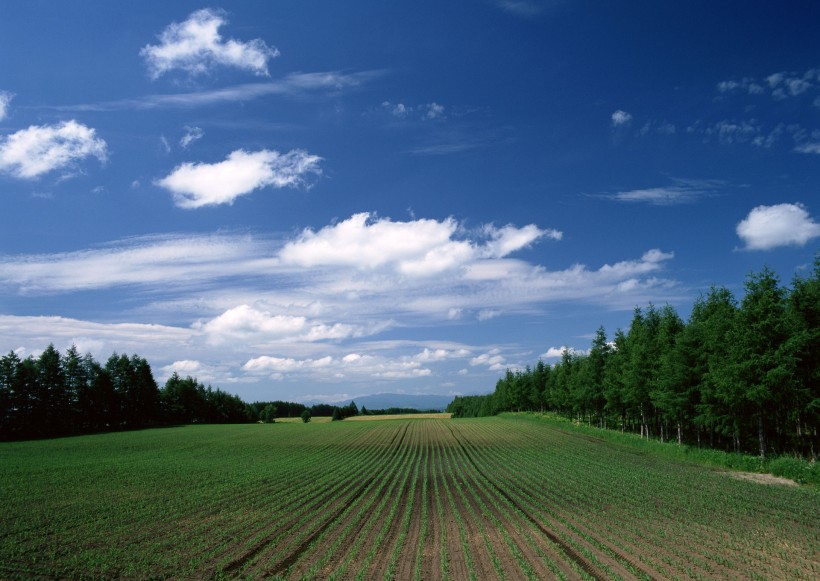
(768, 227)
(509, 239)
(780, 85)
(191, 134)
(426, 112)
(620, 118)
(487, 314)
(434, 111)
(40, 149)
(418, 248)
(162, 261)
(350, 367)
(681, 192)
(492, 359)
(397, 110)
(808, 148)
(149, 340)
(200, 371)
(203, 184)
(292, 85)
(247, 325)
(368, 271)
(558, 352)
(5, 101)
(195, 46)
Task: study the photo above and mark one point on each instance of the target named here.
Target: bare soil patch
(762, 478)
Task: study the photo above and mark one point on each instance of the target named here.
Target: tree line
(63, 394)
(741, 376)
(58, 394)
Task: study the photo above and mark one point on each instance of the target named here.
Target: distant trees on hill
(743, 377)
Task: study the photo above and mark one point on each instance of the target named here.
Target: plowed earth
(507, 498)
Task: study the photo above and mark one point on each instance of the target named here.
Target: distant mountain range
(381, 401)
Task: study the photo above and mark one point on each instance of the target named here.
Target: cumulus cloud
(195, 46)
(248, 325)
(195, 185)
(416, 248)
(492, 359)
(558, 352)
(5, 101)
(780, 85)
(40, 149)
(350, 366)
(620, 118)
(768, 227)
(426, 112)
(434, 111)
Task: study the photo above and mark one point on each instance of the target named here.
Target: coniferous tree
(641, 368)
(761, 367)
(804, 321)
(52, 399)
(669, 392)
(614, 378)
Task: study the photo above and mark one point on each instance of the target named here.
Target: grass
(797, 469)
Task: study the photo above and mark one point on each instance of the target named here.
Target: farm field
(502, 497)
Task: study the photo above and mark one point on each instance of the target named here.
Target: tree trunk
(680, 434)
(761, 435)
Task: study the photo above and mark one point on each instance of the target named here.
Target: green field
(502, 497)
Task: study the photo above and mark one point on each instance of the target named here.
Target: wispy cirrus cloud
(195, 46)
(41, 149)
(195, 185)
(679, 192)
(292, 85)
(145, 262)
(526, 8)
(5, 101)
(191, 134)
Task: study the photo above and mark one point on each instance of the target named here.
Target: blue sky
(321, 200)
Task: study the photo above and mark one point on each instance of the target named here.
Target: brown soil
(762, 478)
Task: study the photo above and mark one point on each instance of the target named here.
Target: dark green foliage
(743, 378)
(56, 395)
(306, 416)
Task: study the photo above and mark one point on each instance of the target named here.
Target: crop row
(421, 499)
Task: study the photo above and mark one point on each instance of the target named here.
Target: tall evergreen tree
(670, 388)
(51, 412)
(804, 342)
(641, 369)
(614, 379)
(712, 321)
(762, 367)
